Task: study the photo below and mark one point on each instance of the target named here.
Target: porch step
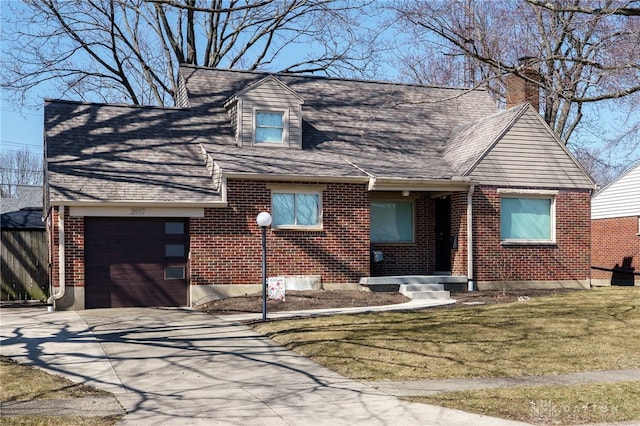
(424, 291)
(414, 279)
(417, 286)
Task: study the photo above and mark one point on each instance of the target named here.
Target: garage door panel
(127, 260)
(155, 290)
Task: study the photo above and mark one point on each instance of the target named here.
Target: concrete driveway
(183, 367)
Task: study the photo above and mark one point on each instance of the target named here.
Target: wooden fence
(24, 267)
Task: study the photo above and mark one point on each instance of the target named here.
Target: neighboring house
(615, 231)
(157, 206)
(24, 255)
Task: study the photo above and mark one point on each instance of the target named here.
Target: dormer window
(270, 127)
(267, 113)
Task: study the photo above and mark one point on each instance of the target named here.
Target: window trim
(531, 194)
(182, 268)
(285, 126)
(309, 190)
(411, 200)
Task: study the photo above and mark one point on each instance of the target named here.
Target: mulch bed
(325, 299)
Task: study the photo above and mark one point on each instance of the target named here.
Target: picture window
(527, 219)
(296, 209)
(392, 222)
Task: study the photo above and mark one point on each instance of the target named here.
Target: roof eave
(137, 203)
(456, 183)
(295, 177)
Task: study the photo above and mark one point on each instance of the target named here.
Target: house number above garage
(138, 211)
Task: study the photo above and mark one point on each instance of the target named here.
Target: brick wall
(226, 243)
(615, 243)
(417, 258)
(74, 249)
(459, 228)
(568, 259)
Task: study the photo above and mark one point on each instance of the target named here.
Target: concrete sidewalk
(431, 387)
(406, 306)
(183, 367)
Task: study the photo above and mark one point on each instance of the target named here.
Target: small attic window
(270, 126)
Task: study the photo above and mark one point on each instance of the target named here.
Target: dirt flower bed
(325, 299)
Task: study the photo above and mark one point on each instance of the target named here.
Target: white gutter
(138, 203)
(61, 258)
(470, 238)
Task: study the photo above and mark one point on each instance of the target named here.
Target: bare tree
(129, 50)
(585, 56)
(18, 167)
(625, 8)
(579, 58)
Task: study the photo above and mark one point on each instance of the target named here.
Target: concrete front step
(416, 286)
(421, 287)
(428, 295)
(424, 291)
(414, 279)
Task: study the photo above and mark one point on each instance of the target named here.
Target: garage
(133, 262)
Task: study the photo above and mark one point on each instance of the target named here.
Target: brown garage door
(135, 262)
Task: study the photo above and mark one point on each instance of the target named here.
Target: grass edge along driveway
(591, 330)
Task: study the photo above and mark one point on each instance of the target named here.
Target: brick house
(615, 238)
(157, 206)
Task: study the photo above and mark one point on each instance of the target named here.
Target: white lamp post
(264, 220)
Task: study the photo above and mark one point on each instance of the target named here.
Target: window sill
(392, 243)
(298, 228)
(528, 243)
(270, 144)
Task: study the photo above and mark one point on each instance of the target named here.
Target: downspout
(470, 238)
(61, 258)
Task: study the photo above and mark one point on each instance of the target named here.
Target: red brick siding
(459, 228)
(613, 240)
(417, 258)
(568, 259)
(52, 234)
(226, 244)
(74, 249)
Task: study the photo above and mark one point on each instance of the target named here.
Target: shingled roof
(352, 129)
(123, 154)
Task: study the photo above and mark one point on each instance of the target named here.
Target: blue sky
(19, 127)
(23, 127)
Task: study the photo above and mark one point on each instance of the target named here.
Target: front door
(443, 234)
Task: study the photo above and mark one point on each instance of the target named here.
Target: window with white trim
(527, 217)
(296, 209)
(391, 221)
(270, 127)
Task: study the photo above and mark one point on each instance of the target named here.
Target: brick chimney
(524, 87)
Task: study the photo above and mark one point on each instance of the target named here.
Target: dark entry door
(443, 234)
(135, 262)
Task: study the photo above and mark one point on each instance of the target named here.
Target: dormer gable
(267, 113)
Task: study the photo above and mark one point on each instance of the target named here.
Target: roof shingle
(351, 129)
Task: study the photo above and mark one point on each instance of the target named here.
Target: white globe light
(263, 219)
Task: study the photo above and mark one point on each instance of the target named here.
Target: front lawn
(549, 405)
(25, 383)
(587, 330)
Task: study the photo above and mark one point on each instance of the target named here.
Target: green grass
(588, 330)
(578, 331)
(556, 405)
(25, 383)
(38, 420)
